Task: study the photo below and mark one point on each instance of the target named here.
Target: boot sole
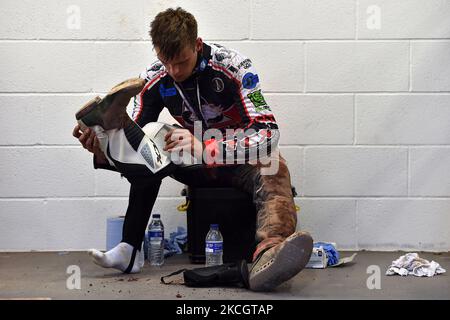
(291, 259)
(133, 86)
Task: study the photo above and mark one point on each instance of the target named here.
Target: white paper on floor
(412, 264)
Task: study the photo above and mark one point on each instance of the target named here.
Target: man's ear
(198, 44)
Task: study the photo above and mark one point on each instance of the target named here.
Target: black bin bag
(234, 274)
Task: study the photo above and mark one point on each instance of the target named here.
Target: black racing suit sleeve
(148, 104)
(258, 134)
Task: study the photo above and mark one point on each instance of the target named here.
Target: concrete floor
(44, 275)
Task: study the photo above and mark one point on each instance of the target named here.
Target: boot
(281, 262)
(110, 112)
(143, 149)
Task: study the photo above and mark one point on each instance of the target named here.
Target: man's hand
(179, 140)
(89, 141)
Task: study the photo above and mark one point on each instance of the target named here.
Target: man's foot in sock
(123, 257)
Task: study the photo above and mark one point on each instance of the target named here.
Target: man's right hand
(89, 141)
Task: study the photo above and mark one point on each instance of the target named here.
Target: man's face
(182, 65)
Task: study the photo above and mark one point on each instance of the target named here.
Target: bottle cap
(214, 226)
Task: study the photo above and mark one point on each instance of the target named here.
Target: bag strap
(170, 275)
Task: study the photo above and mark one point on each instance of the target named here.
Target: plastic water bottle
(146, 246)
(214, 246)
(156, 241)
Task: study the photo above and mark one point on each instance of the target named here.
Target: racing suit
(222, 93)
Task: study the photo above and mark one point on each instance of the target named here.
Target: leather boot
(281, 262)
(110, 112)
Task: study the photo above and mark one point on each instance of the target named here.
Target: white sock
(119, 258)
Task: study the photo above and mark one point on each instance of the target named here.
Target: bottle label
(156, 235)
(214, 246)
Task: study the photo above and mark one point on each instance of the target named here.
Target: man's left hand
(182, 140)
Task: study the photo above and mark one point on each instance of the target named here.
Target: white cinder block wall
(361, 90)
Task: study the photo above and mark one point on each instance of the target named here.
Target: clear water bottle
(146, 246)
(214, 246)
(155, 237)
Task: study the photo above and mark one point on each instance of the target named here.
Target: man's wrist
(100, 158)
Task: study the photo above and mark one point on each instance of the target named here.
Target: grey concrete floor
(44, 275)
